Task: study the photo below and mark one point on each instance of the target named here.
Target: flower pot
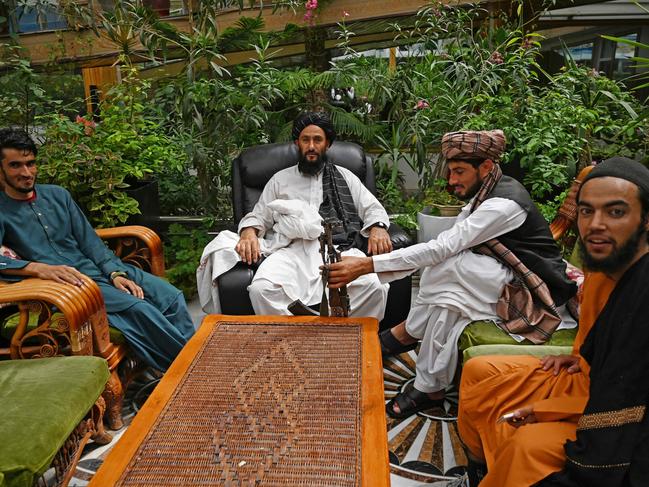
(430, 226)
(448, 210)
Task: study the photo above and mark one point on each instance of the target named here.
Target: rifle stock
(298, 308)
(336, 300)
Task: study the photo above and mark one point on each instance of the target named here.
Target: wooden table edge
(375, 473)
(374, 443)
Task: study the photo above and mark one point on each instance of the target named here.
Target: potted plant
(441, 201)
(98, 162)
(440, 208)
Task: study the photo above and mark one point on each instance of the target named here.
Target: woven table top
(261, 404)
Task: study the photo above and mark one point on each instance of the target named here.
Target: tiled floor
(195, 311)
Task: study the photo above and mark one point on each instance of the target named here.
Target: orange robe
(494, 385)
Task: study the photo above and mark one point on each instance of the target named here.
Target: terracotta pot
(448, 210)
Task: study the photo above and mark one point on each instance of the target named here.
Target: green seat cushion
(488, 333)
(116, 336)
(536, 350)
(42, 401)
(10, 323)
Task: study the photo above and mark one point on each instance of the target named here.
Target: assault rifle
(338, 299)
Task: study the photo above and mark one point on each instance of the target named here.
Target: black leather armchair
(250, 173)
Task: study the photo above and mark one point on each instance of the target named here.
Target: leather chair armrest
(399, 237)
(233, 286)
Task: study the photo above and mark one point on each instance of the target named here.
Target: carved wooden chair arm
(136, 245)
(82, 327)
(567, 214)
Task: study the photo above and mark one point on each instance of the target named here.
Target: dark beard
(20, 190)
(619, 258)
(472, 191)
(309, 168)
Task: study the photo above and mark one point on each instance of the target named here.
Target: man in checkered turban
(467, 270)
(474, 148)
(474, 145)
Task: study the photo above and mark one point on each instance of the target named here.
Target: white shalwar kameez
(293, 272)
(457, 286)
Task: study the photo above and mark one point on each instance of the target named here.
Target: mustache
(598, 236)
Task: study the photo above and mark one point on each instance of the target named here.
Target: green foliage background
(458, 72)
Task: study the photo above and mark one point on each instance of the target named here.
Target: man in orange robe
(496, 384)
(549, 396)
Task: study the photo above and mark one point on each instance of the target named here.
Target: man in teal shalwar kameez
(54, 240)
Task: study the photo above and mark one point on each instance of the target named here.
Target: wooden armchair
(72, 320)
(567, 214)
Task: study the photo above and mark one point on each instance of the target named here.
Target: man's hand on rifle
(248, 246)
(348, 269)
(379, 241)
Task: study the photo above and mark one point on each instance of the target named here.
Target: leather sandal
(411, 401)
(391, 346)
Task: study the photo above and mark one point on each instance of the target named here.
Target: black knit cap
(320, 119)
(621, 168)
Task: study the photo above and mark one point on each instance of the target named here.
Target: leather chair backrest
(256, 165)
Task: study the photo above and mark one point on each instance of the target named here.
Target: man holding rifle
(292, 273)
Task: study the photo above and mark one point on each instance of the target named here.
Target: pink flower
(311, 6)
(345, 13)
(421, 104)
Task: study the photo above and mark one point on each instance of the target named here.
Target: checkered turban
(320, 119)
(486, 144)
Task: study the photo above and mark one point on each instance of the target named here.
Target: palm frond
(349, 124)
(300, 79)
(284, 134)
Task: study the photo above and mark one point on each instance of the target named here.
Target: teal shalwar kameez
(51, 229)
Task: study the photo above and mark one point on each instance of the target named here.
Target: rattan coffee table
(262, 401)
